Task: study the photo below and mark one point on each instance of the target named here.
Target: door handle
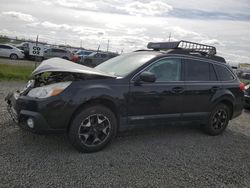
(215, 88)
(177, 90)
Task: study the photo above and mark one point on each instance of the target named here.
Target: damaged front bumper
(26, 111)
(10, 107)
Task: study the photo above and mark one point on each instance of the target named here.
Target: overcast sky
(131, 24)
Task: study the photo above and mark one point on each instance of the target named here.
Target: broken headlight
(48, 90)
(30, 84)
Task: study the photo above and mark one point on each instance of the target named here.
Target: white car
(10, 51)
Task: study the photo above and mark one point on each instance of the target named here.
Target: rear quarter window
(223, 73)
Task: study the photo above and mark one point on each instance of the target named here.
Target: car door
(47, 53)
(5, 51)
(161, 99)
(105, 57)
(63, 53)
(2, 54)
(201, 84)
(55, 53)
(98, 58)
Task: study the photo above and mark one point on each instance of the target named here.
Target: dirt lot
(165, 156)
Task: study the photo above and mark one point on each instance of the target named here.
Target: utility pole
(36, 58)
(108, 46)
(98, 48)
(36, 39)
(169, 37)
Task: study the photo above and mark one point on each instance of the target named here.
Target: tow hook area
(10, 108)
(12, 113)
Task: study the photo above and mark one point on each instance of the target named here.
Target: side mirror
(147, 77)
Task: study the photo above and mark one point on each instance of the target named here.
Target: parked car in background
(243, 73)
(96, 58)
(10, 51)
(75, 58)
(58, 52)
(83, 53)
(79, 55)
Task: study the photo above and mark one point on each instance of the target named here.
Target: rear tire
(218, 120)
(92, 128)
(13, 56)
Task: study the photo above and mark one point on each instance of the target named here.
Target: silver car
(57, 52)
(96, 58)
(10, 51)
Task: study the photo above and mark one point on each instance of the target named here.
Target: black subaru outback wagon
(173, 81)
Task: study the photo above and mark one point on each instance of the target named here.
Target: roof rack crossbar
(184, 45)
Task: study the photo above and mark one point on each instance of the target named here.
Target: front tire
(13, 56)
(92, 128)
(218, 120)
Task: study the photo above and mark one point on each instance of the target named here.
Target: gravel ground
(166, 156)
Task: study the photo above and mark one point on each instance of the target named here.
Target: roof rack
(183, 45)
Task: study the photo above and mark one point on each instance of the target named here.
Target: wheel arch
(228, 103)
(13, 54)
(226, 97)
(98, 101)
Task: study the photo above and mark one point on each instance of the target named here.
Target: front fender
(85, 92)
(93, 92)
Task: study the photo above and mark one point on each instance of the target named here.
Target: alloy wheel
(94, 130)
(219, 119)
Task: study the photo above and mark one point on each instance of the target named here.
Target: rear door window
(196, 70)
(5, 47)
(62, 51)
(58, 51)
(224, 74)
(8, 47)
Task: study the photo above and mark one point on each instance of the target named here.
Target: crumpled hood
(62, 65)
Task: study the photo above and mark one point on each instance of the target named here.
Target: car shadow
(247, 111)
(130, 138)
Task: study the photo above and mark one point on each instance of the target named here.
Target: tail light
(242, 86)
